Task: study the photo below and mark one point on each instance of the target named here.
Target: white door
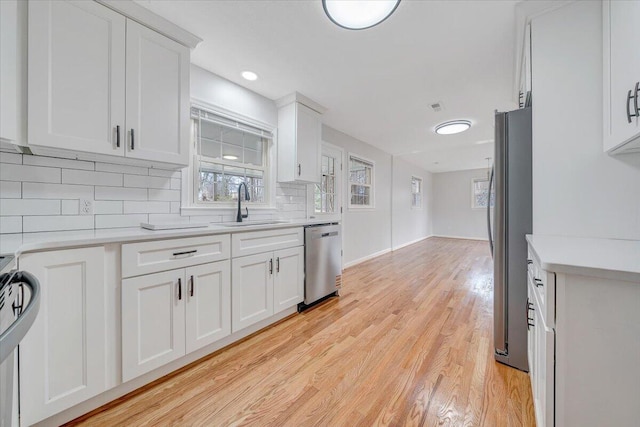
(76, 76)
(63, 356)
(288, 283)
(157, 97)
(308, 137)
(251, 289)
(325, 198)
(624, 71)
(208, 308)
(153, 322)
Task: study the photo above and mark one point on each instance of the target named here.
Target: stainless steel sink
(250, 223)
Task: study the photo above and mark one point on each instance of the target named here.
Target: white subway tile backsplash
(54, 162)
(133, 170)
(167, 218)
(70, 176)
(165, 195)
(10, 190)
(146, 207)
(13, 172)
(165, 173)
(147, 181)
(32, 190)
(70, 207)
(120, 193)
(175, 207)
(14, 158)
(107, 207)
(176, 184)
(32, 224)
(29, 207)
(118, 221)
(10, 224)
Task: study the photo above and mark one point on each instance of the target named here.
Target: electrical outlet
(86, 207)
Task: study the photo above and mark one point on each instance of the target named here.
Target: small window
(416, 192)
(229, 153)
(325, 192)
(480, 197)
(361, 181)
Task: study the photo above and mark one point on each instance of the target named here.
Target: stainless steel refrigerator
(512, 220)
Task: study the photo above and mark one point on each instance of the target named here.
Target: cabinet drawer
(158, 255)
(255, 242)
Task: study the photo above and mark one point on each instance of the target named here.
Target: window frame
(473, 193)
(190, 175)
(372, 198)
(421, 192)
(329, 150)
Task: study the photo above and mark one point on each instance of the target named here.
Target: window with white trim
(361, 182)
(480, 196)
(416, 192)
(228, 153)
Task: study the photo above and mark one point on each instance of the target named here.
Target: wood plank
(409, 342)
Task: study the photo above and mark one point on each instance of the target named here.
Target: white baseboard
(395, 248)
(486, 239)
(366, 258)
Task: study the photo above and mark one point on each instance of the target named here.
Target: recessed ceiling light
(230, 157)
(250, 75)
(360, 14)
(455, 126)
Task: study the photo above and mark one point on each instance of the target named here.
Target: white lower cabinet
(63, 357)
(265, 284)
(169, 314)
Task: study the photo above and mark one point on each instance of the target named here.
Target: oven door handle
(11, 337)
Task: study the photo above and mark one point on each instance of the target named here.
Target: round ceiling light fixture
(249, 75)
(454, 126)
(359, 14)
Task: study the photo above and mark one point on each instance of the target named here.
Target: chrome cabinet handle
(191, 252)
(271, 266)
(278, 265)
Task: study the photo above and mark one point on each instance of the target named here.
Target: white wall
(578, 190)
(453, 215)
(367, 232)
(410, 224)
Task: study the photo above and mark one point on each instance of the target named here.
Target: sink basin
(250, 223)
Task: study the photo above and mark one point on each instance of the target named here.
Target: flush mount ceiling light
(250, 75)
(455, 126)
(230, 157)
(359, 14)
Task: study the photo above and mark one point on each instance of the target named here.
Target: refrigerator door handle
(489, 232)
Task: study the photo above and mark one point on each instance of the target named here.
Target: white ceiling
(377, 84)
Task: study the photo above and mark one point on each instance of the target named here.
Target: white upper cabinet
(102, 84)
(299, 139)
(157, 97)
(76, 76)
(621, 29)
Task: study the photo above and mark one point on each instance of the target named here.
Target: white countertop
(30, 242)
(606, 258)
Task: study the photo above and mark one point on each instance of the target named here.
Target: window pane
(253, 149)
(330, 208)
(210, 137)
(331, 166)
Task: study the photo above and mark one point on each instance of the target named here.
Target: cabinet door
(308, 146)
(157, 97)
(63, 356)
(251, 290)
(76, 76)
(208, 304)
(153, 331)
(622, 70)
(288, 282)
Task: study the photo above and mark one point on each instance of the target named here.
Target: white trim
(231, 114)
(461, 237)
(413, 242)
(366, 258)
(372, 195)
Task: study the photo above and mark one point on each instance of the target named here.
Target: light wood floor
(409, 342)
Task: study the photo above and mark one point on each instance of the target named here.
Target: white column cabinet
(103, 84)
(208, 312)
(252, 289)
(153, 321)
(63, 356)
(621, 75)
(288, 283)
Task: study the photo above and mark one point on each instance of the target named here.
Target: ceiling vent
(437, 106)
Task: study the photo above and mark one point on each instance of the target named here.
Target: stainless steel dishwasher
(322, 262)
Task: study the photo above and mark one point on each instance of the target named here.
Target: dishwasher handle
(11, 337)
